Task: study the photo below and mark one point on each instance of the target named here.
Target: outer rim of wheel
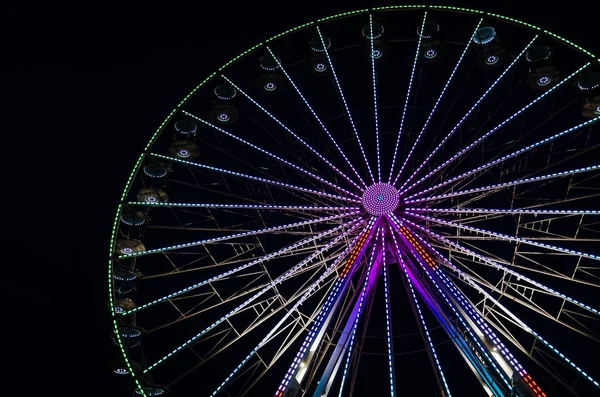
(161, 127)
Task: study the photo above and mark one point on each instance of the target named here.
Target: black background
(84, 88)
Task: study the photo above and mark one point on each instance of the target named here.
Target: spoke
(231, 272)
(313, 287)
(388, 325)
(257, 178)
(412, 149)
(375, 106)
(285, 276)
(461, 121)
(237, 235)
(333, 167)
(313, 339)
(524, 326)
(498, 186)
(496, 128)
(339, 87)
(370, 280)
(506, 237)
(491, 211)
(467, 340)
(506, 157)
(288, 163)
(339, 149)
(410, 83)
(486, 261)
(272, 207)
(425, 331)
(476, 323)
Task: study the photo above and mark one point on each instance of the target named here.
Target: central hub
(380, 199)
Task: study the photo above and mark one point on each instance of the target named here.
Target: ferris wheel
(390, 196)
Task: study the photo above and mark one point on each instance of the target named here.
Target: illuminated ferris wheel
(385, 192)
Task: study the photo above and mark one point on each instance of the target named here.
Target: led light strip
(412, 149)
(293, 134)
(496, 128)
(255, 178)
(506, 157)
(339, 87)
(242, 267)
(410, 82)
(356, 247)
(285, 276)
(289, 164)
(506, 184)
(339, 149)
(485, 94)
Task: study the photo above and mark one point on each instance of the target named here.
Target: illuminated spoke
(320, 156)
(410, 83)
(237, 235)
(256, 178)
(516, 319)
(371, 276)
(506, 237)
(313, 287)
(470, 146)
(306, 354)
(278, 158)
(462, 120)
(285, 276)
(505, 157)
(339, 87)
(375, 107)
(484, 260)
(267, 207)
(412, 149)
(302, 243)
(425, 331)
(499, 186)
(339, 149)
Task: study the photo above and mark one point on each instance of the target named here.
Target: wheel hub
(380, 199)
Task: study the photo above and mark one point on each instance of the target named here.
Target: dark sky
(86, 87)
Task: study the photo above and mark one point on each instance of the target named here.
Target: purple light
(223, 117)
(380, 199)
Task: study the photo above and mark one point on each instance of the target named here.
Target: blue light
(484, 35)
(270, 86)
(320, 67)
(430, 53)
(491, 60)
(544, 81)
(376, 53)
(223, 117)
(183, 153)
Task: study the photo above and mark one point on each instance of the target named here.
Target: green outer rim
(180, 104)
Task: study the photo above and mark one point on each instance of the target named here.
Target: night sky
(86, 88)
